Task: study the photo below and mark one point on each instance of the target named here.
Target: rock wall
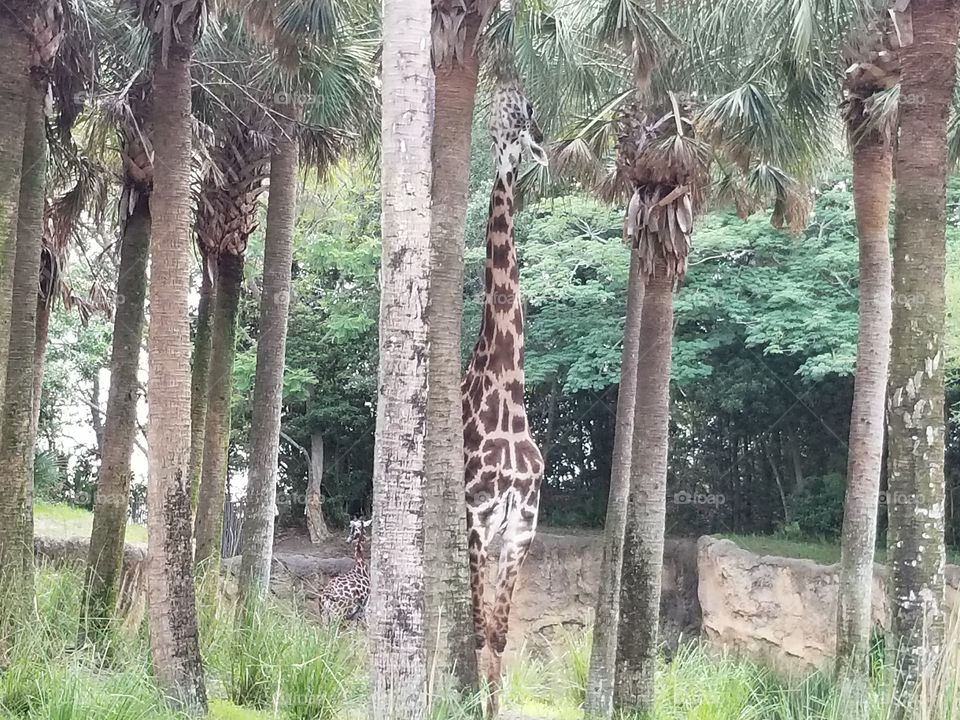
(780, 610)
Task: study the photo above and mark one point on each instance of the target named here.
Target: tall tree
(873, 71)
(603, 655)
(174, 638)
(111, 504)
(199, 369)
(456, 28)
(226, 218)
(916, 404)
(397, 621)
(257, 531)
(32, 35)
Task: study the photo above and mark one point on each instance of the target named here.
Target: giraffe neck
(501, 329)
(358, 557)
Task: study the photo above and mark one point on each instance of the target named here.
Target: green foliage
(818, 507)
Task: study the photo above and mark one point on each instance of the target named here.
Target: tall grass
(281, 667)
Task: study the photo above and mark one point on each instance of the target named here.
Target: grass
(286, 667)
(64, 521)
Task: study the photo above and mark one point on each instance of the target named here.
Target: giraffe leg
(478, 562)
(521, 526)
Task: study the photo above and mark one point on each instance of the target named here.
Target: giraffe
(502, 465)
(345, 596)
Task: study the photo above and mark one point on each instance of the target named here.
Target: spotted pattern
(503, 466)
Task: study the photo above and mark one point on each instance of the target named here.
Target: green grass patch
(64, 521)
(820, 551)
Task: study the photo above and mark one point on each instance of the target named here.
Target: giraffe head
(514, 129)
(358, 528)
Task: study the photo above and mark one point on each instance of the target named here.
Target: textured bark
(102, 579)
(17, 435)
(313, 506)
(44, 308)
(916, 404)
(872, 180)
(174, 639)
(398, 637)
(603, 655)
(646, 505)
(448, 605)
(198, 384)
(15, 50)
(216, 436)
(257, 532)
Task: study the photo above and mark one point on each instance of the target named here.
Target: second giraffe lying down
(345, 596)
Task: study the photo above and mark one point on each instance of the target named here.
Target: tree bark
(199, 371)
(174, 639)
(872, 181)
(96, 417)
(257, 532)
(17, 439)
(916, 405)
(448, 605)
(313, 505)
(111, 505)
(646, 505)
(14, 47)
(44, 308)
(398, 633)
(603, 655)
(216, 437)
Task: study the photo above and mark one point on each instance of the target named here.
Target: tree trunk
(257, 533)
(872, 180)
(44, 308)
(15, 50)
(200, 368)
(17, 439)
(448, 605)
(646, 506)
(110, 511)
(398, 633)
(916, 445)
(174, 639)
(96, 418)
(313, 505)
(603, 655)
(216, 436)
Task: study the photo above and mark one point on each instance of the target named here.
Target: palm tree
(916, 483)
(172, 597)
(873, 72)
(226, 217)
(128, 111)
(603, 655)
(455, 33)
(321, 52)
(199, 369)
(31, 34)
(397, 603)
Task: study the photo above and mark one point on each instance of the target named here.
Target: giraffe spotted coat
(345, 596)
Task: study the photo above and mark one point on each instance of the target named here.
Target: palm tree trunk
(257, 533)
(44, 309)
(110, 511)
(13, 93)
(398, 632)
(313, 505)
(17, 439)
(449, 607)
(174, 638)
(646, 504)
(916, 444)
(872, 180)
(216, 436)
(603, 655)
(198, 384)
